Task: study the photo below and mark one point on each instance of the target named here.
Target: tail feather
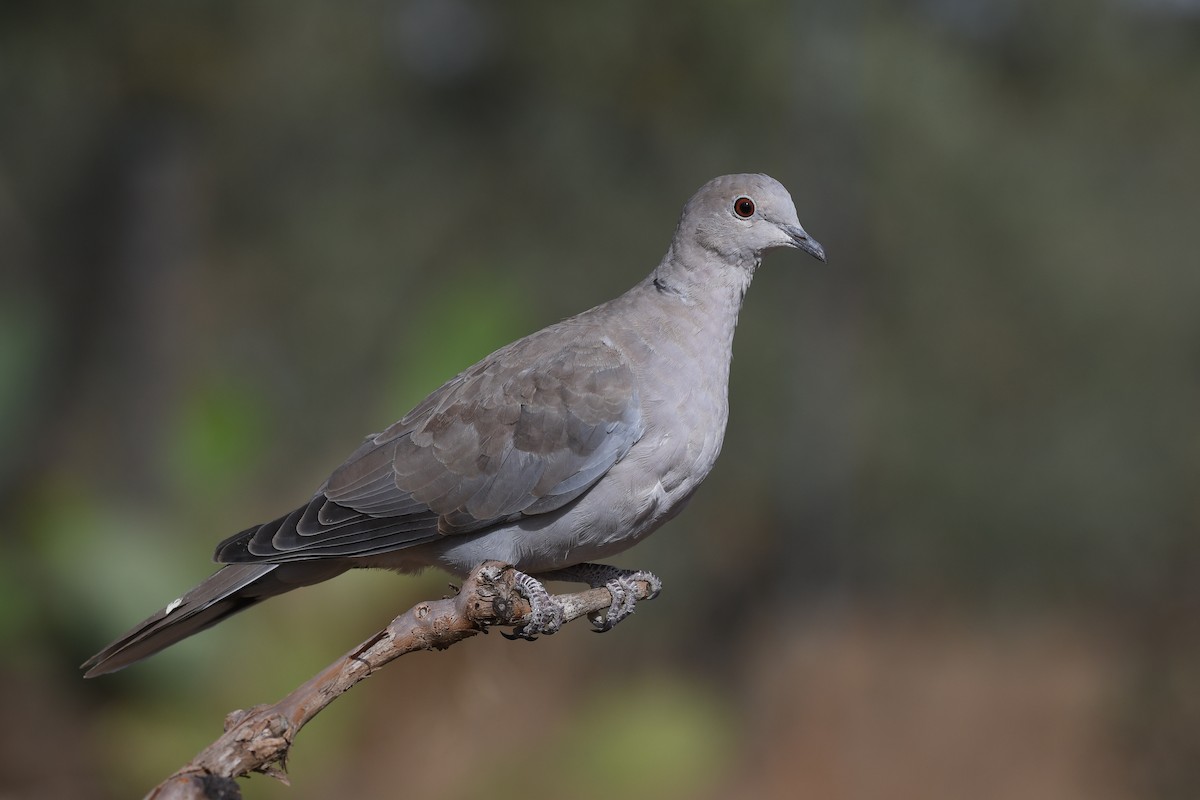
(224, 593)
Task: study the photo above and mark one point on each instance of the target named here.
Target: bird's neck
(696, 298)
(708, 284)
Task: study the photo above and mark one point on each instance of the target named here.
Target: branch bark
(258, 739)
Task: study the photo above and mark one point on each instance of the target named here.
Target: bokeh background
(950, 549)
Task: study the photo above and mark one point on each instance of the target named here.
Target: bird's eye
(743, 207)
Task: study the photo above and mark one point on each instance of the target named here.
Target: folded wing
(524, 432)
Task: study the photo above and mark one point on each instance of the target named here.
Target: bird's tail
(224, 593)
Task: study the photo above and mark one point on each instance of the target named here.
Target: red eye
(743, 207)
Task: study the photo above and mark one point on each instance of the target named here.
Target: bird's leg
(619, 583)
(545, 613)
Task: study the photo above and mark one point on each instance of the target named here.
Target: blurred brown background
(950, 549)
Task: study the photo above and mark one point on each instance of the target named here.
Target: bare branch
(258, 740)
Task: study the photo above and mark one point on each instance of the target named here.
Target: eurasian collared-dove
(569, 445)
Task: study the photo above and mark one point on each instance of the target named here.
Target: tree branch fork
(258, 739)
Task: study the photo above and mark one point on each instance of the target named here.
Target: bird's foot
(624, 595)
(619, 583)
(545, 613)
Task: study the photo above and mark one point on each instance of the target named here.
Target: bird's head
(740, 216)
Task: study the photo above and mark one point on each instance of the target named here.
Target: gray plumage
(569, 445)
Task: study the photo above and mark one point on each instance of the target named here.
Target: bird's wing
(524, 432)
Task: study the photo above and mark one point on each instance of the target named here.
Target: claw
(516, 634)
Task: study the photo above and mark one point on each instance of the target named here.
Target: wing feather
(523, 432)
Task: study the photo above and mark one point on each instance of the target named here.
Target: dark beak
(801, 239)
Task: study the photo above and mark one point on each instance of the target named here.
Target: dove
(559, 450)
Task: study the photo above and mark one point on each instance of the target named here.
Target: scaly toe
(655, 583)
(545, 613)
(624, 601)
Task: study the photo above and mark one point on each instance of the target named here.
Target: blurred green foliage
(691, 748)
(237, 237)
